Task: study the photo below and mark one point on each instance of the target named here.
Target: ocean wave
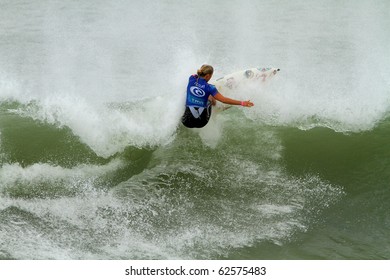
(45, 180)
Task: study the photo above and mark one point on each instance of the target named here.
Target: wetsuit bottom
(196, 117)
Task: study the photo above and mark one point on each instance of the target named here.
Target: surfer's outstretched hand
(247, 103)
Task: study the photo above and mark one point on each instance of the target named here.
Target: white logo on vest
(197, 91)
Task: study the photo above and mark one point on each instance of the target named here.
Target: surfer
(201, 96)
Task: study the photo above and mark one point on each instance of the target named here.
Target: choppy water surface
(94, 163)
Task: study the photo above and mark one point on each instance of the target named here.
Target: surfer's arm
(230, 101)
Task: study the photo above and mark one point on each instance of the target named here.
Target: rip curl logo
(197, 91)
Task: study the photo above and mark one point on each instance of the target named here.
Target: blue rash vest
(198, 92)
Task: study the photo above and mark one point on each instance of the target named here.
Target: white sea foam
(12, 175)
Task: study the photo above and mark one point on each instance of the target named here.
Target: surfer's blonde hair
(205, 69)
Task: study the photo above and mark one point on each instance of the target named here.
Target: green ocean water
(94, 163)
(263, 192)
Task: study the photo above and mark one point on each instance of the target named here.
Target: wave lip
(108, 128)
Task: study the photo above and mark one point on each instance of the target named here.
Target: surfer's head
(206, 71)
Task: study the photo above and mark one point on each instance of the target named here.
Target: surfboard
(231, 84)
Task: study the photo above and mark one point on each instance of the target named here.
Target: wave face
(94, 163)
